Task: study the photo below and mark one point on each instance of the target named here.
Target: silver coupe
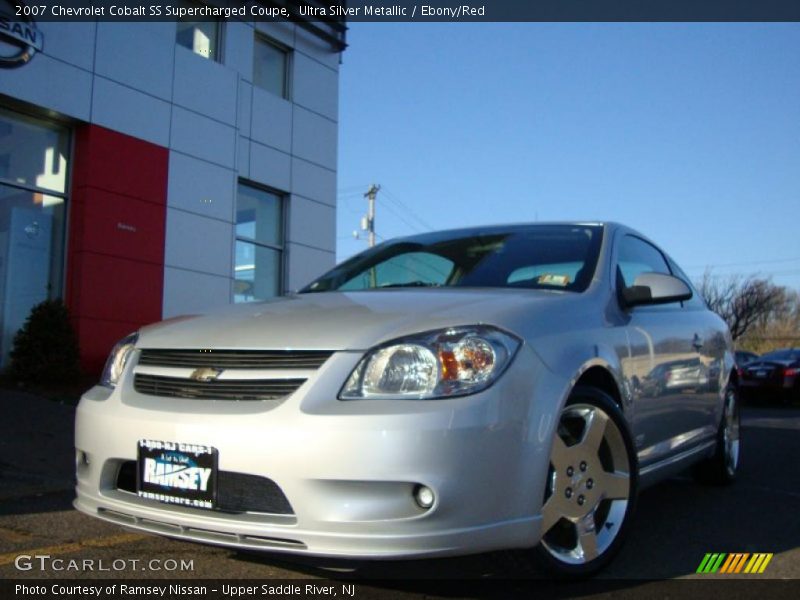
(505, 387)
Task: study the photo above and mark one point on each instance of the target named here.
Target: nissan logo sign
(19, 37)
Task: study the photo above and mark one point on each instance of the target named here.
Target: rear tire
(591, 489)
(721, 468)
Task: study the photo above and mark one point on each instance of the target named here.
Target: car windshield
(551, 257)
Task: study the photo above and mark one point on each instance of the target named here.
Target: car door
(663, 368)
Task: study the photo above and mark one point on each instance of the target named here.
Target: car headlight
(436, 364)
(115, 364)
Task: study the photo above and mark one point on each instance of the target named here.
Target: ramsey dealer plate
(177, 473)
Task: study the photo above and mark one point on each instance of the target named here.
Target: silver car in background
(448, 393)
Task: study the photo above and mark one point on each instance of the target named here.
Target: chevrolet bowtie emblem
(205, 374)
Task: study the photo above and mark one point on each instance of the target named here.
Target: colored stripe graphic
(711, 563)
(720, 562)
(734, 563)
(758, 563)
(741, 562)
(728, 564)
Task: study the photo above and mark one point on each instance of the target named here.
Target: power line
(405, 207)
(399, 215)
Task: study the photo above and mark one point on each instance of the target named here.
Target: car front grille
(224, 374)
(235, 359)
(236, 492)
(242, 389)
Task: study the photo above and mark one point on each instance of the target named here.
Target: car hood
(343, 320)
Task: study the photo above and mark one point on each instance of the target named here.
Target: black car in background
(772, 376)
(743, 357)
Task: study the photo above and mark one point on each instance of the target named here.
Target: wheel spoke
(616, 486)
(559, 453)
(551, 514)
(595, 430)
(587, 537)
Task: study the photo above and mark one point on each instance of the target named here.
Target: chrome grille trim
(234, 359)
(200, 374)
(244, 389)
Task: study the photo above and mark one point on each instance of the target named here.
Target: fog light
(423, 495)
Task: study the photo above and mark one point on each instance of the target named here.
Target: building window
(34, 158)
(201, 37)
(271, 67)
(258, 271)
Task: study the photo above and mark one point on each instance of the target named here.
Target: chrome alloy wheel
(730, 432)
(589, 486)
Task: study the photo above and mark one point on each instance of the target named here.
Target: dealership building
(154, 169)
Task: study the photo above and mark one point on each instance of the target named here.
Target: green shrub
(46, 348)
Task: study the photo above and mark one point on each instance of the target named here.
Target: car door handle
(697, 342)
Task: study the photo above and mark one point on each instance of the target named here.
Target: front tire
(591, 489)
(721, 468)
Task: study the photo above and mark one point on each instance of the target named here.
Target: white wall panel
(314, 138)
(205, 86)
(188, 292)
(198, 243)
(270, 167)
(125, 110)
(316, 86)
(238, 52)
(312, 181)
(271, 120)
(306, 264)
(71, 42)
(136, 55)
(243, 157)
(200, 187)
(202, 137)
(245, 107)
(52, 84)
(312, 224)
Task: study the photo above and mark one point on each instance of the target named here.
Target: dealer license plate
(177, 473)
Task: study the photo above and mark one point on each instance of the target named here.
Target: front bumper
(348, 469)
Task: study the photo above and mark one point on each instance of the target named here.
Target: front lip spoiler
(516, 533)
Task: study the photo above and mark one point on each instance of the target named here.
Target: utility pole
(371, 194)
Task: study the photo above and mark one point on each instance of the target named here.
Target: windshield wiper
(408, 284)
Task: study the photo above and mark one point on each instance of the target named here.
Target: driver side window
(636, 256)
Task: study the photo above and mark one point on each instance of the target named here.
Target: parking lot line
(103, 542)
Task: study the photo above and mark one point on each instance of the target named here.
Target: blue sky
(688, 132)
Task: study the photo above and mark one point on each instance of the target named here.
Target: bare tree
(742, 301)
(781, 329)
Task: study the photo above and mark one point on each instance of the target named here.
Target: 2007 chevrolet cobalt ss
(447, 393)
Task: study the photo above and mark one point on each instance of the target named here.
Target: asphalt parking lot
(676, 524)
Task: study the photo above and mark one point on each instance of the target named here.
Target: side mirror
(655, 288)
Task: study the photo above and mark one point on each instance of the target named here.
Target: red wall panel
(121, 226)
(115, 257)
